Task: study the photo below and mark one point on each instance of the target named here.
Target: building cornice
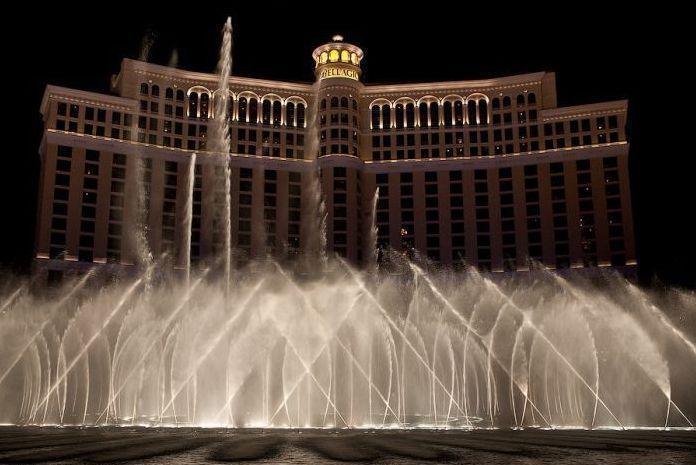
(81, 96)
(579, 111)
(193, 77)
(170, 153)
(483, 85)
(492, 161)
(186, 77)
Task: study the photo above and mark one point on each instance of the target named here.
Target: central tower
(337, 71)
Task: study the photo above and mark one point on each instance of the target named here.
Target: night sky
(598, 54)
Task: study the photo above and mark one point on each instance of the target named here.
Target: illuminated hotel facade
(488, 172)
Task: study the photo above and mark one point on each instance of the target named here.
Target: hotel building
(490, 172)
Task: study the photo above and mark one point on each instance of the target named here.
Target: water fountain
(314, 212)
(185, 258)
(372, 232)
(220, 140)
(416, 349)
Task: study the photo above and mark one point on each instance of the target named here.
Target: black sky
(599, 53)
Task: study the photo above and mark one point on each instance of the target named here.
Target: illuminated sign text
(335, 72)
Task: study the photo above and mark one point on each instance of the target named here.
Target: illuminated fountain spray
(138, 192)
(372, 246)
(188, 220)
(221, 139)
(314, 215)
(351, 349)
(173, 59)
(146, 46)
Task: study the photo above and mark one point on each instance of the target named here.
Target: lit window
(323, 57)
(354, 58)
(345, 56)
(333, 56)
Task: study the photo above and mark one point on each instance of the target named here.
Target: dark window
(375, 116)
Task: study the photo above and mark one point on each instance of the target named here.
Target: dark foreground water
(203, 446)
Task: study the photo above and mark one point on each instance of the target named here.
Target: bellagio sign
(336, 72)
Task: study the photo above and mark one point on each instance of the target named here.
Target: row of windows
(481, 203)
(584, 125)
(335, 55)
(154, 90)
(520, 139)
(429, 114)
(335, 102)
(168, 218)
(507, 140)
(584, 181)
(523, 99)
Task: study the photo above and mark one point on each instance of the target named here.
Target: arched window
(447, 113)
(333, 56)
(375, 117)
(323, 104)
(355, 105)
(496, 103)
(483, 111)
(155, 90)
(290, 114)
(506, 101)
(386, 116)
(242, 109)
(205, 102)
(423, 115)
(169, 93)
(399, 116)
(531, 98)
(520, 100)
(345, 56)
(300, 115)
(323, 58)
(266, 112)
(410, 115)
(334, 102)
(253, 111)
(471, 112)
(458, 113)
(179, 95)
(277, 112)
(434, 115)
(144, 89)
(344, 102)
(193, 105)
